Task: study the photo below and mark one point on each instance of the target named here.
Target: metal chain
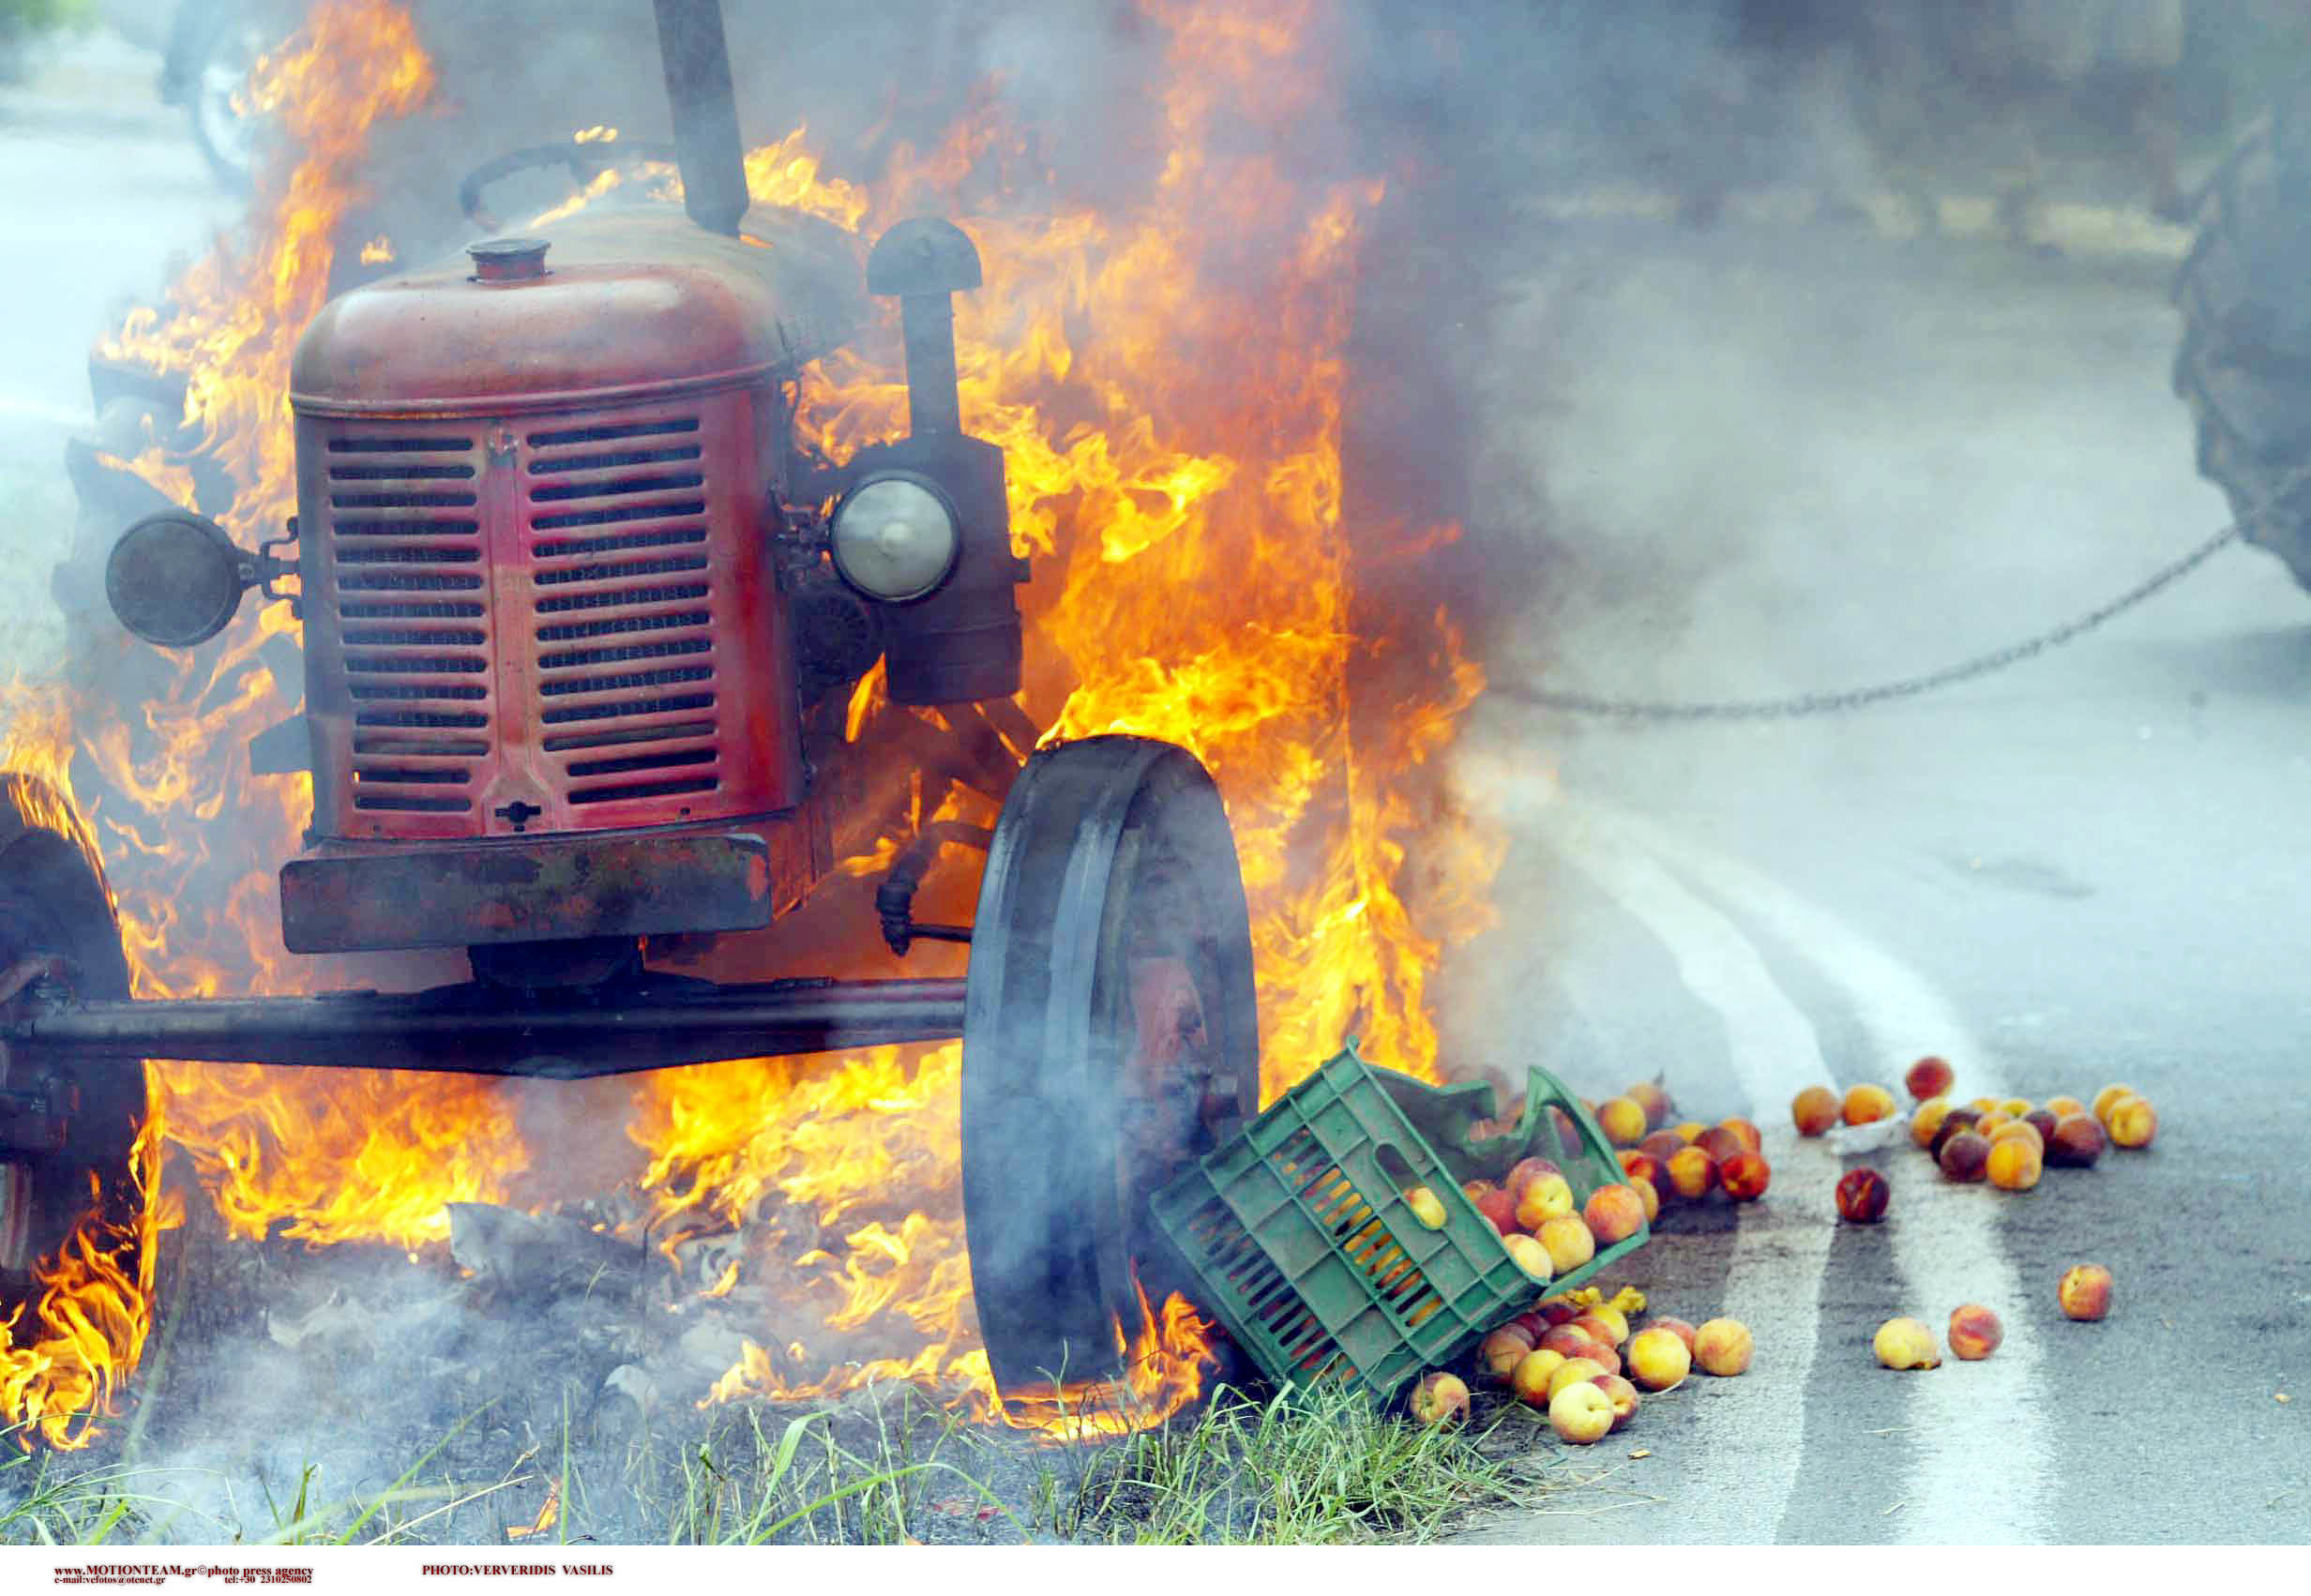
(1910, 686)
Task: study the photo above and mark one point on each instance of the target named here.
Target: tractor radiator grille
(625, 593)
(404, 525)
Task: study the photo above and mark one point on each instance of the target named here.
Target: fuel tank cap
(507, 260)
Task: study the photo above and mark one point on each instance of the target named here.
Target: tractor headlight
(894, 537)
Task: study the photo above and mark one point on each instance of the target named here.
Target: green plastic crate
(1308, 1252)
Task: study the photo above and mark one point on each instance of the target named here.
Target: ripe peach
(1529, 1379)
(2064, 1107)
(1975, 1332)
(1686, 1131)
(1647, 1194)
(1566, 1339)
(1745, 1176)
(1523, 1173)
(1989, 1124)
(1659, 1357)
(2043, 1120)
(1623, 1397)
(1544, 1198)
(1906, 1344)
(1722, 1346)
(1868, 1104)
(1582, 1414)
(1693, 1172)
(1959, 1119)
(1814, 1110)
(1439, 1398)
(2085, 1291)
(1614, 1323)
(1426, 1207)
(2133, 1122)
(2015, 1107)
(1660, 1145)
(1928, 1120)
(1678, 1328)
(1473, 1190)
(1929, 1077)
(1649, 1096)
(1498, 1207)
(2019, 1130)
(1613, 1214)
(1751, 1136)
(1622, 1120)
(1573, 1371)
(2076, 1142)
(1966, 1156)
(1604, 1357)
(1530, 1255)
(1568, 1241)
(2105, 1097)
(1720, 1143)
(1863, 1196)
(1532, 1323)
(1556, 1311)
(1636, 1166)
(1503, 1349)
(1983, 1105)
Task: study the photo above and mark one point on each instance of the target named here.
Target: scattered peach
(2133, 1122)
(1604, 1357)
(1568, 1339)
(1636, 1166)
(1498, 1207)
(1556, 1310)
(1439, 1398)
(1751, 1136)
(1928, 1120)
(1531, 1255)
(1863, 1196)
(1961, 1118)
(1965, 1156)
(1613, 1214)
(2019, 1130)
(1660, 1147)
(1906, 1344)
(1523, 1173)
(2064, 1108)
(1622, 1120)
(1745, 1176)
(1503, 1349)
(2105, 1097)
(1529, 1379)
(1975, 1332)
(1678, 1328)
(1722, 1346)
(1686, 1131)
(1989, 1124)
(1533, 1322)
(1649, 1096)
(1573, 1371)
(1621, 1394)
(2085, 1291)
(1659, 1357)
(1544, 1198)
(1720, 1143)
(1814, 1110)
(1868, 1104)
(1568, 1241)
(1616, 1323)
(1693, 1172)
(1648, 1194)
(1582, 1414)
(2016, 1108)
(2076, 1142)
(2043, 1120)
(1929, 1077)
(1983, 1105)
(1426, 1207)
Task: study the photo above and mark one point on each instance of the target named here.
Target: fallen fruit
(1544, 1200)
(1863, 1196)
(1573, 1371)
(1868, 1104)
(1975, 1332)
(1534, 1323)
(1439, 1398)
(1604, 1357)
(1751, 1136)
(1639, 1166)
(1659, 1357)
(1621, 1394)
(1582, 1414)
(2076, 1142)
(1720, 1143)
(1906, 1344)
(2013, 1164)
(1928, 1120)
(1529, 1379)
(1530, 1255)
(1605, 1323)
(1745, 1176)
(1503, 1349)
(1556, 1310)
(2016, 1108)
(1649, 1096)
(1678, 1328)
(2019, 1130)
(1498, 1207)
(2063, 1107)
(2043, 1120)
(1660, 1146)
(1648, 1194)
(1814, 1110)
(1693, 1171)
(1959, 1119)
(2133, 1122)
(2105, 1097)
(1622, 1120)
(1965, 1156)
(1523, 1173)
(1568, 1340)
(1568, 1241)
(1614, 1212)
(1475, 1189)
(1929, 1077)
(1722, 1346)
(2085, 1291)
(1426, 1207)
(1990, 1123)
(1686, 1131)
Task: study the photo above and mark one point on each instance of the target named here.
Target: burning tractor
(579, 624)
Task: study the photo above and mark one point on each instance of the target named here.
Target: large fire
(1166, 376)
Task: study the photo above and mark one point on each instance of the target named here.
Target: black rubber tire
(2244, 365)
(1112, 880)
(52, 901)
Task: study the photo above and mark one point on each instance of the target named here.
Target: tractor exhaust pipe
(697, 58)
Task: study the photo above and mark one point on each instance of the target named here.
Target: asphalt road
(1792, 460)
(1779, 458)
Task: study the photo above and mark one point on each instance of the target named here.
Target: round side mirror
(174, 579)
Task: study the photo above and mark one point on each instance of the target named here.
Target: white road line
(1982, 1451)
(1774, 1274)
